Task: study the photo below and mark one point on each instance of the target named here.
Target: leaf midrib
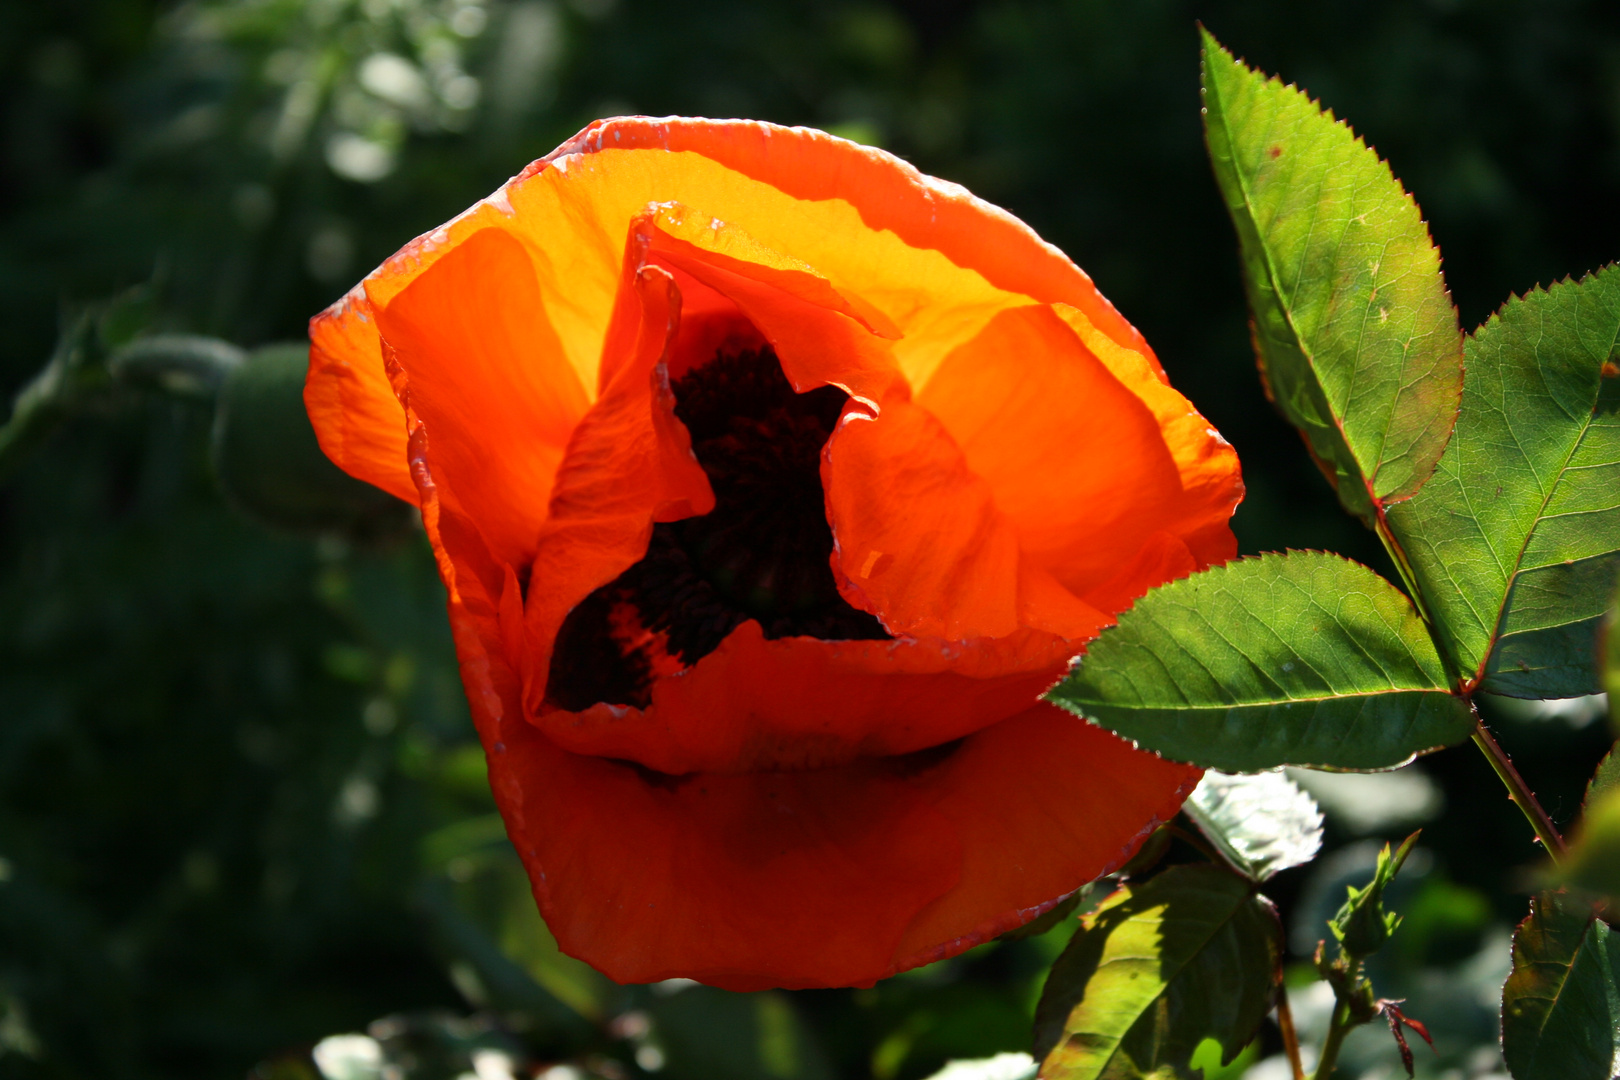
(1313, 700)
(1568, 972)
(1274, 277)
(1530, 533)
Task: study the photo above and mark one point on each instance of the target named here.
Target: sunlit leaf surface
(1356, 334)
(1561, 1006)
(1262, 823)
(1160, 966)
(1298, 659)
(1516, 539)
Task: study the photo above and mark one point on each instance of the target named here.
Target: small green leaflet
(1516, 539)
(1592, 862)
(1605, 779)
(1160, 966)
(1261, 823)
(1357, 337)
(1298, 659)
(1561, 1004)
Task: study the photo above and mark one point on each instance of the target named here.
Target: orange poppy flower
(772, 481)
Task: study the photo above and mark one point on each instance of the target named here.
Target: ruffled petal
(822, 337)
(489, 382)
(357, 418)
(935, 258)
(920, 258)
(920, 542)
(743, 881)
(1040, 803)
(798, 703)
(825, 877)
(1088, 460)
(628, 464)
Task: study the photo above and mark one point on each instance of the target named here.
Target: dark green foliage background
(209, 858)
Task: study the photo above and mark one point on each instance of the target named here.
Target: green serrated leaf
(1298, 659)
(1561, 1004)
(1160, 966)
(1357, 337)
(1516, 540)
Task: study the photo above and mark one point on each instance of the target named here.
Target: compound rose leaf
(1355, 332)
(1162, 965)
(1516, 539)
(1298, 659)
(1561, 1004)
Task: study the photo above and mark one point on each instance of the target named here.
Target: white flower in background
(1261, 822)
(349, 1057)
(1000, 1067)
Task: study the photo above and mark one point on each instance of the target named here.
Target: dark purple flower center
(761, 553)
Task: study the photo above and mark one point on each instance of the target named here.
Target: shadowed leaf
(1611, 663)
(1356, 335)
(1160, 966)
(1298, 659)
(1561, 1006)
(1516, 539)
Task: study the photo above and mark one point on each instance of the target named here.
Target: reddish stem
(1518, 790)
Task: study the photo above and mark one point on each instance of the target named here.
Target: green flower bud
(1362, 925)
(271, 466)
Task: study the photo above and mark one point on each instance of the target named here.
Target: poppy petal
(629, 463)
(820, 335)
(485, 369)
(1211, 477)
(825, 877)
(1040, 803)
(1028, 383)
(920, 542)
(357, 419)
(867, 220)
(797, 703)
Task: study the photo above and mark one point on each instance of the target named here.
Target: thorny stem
(1342, 1023)
(1518, 790)
(1290, 1037)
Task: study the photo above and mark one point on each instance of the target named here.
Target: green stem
(1518, 790)
(1290, 1037)
(1342, 1023)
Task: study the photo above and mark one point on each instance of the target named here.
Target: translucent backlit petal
(356, 416)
